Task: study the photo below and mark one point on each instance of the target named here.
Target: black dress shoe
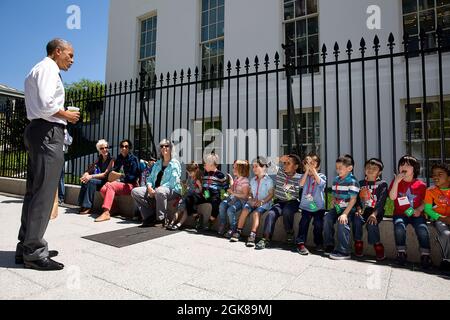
(45, 264)
(51, 254)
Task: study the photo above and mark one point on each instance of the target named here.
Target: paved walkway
(194, 266)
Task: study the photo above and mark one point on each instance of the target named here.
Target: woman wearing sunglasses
(122, 179)
(95, 177)
(163, 186)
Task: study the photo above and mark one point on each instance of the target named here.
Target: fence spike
(391, 40)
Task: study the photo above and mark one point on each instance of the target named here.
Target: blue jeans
(87, 193)
(287, 209)
(230, 207)
(250, 209)
(303, 226)
(343, 245)
(61, 188)
(373, 232)
(420, 226)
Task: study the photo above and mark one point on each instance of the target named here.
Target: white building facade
(164, 36)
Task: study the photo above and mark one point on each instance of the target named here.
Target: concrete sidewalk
(191, 266)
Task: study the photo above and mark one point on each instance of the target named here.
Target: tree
(88, 95)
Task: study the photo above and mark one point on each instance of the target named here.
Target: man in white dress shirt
(44, 138)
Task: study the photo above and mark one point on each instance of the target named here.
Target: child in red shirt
(408, 194)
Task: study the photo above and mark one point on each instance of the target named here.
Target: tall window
(200, 128)
(212, 38)
(145, 144)
(434, 132)
(301, 25)
(147, 53)
(309, 134)
(426, 15)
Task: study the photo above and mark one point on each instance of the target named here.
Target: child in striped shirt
(345, 190)
(287, 197)
(237, 197)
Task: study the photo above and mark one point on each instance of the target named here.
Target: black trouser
(214, 200)
(44, 143)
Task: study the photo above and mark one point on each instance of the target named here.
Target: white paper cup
(73, 109)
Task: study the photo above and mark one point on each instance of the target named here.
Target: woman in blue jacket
(163, 185)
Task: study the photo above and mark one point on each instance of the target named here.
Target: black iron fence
(382, 99)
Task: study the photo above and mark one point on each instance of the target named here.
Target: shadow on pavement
(7, 260)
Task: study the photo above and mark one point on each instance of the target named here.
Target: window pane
(410, 24)
(409, 6)
(205, 5)
(212, 31)
(148, 38)
(443, 17)
(289, 11)
(313, 43)
(290, 31)
(301, 46)
(142, 39)
(213, 47)
(204, 33)
(301, 28)
(313, 26)
(142, 53)
(213, 16)
(205, 50)
(427, 21)
(205, 18)
(221, 14)
(147, 50)
(153, 50)
(154, 35)
(143, 26)
(220, 29)
(426, 4)
(212, 4)
(220, 3)
(311, 6)
(300, 8)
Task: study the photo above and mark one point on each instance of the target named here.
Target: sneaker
(251, 240)
(445, 266)
(401, 258)
(425, 261)
(290, 237)
(229, 234)
(379, 251)
(336, 255)
(209, 226)
(359, 247)
(328, 250)
(199, 223)
(262, 244)
(235, 236)
(302, 249)
(320, 248)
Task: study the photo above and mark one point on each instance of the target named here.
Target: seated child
(370, 208)
(408, 194)
(192, 196)
(437, 207)
(312, 203)
(344, 191)
(236, 198)
(259, 201)
(287, 194)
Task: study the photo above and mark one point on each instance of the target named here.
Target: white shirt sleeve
(47, 82)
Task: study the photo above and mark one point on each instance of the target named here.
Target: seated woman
(163, 185)
(95, 177)
(124, 177)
